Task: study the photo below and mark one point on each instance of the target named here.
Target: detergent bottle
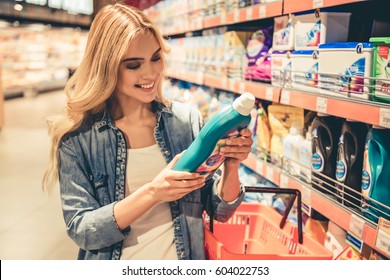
(376, 174)
(325, 133)
(349, 162)
(203, 155)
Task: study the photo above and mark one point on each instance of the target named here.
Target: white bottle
(291, 150)
(305, 158)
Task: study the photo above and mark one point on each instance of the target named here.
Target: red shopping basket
(258, 232)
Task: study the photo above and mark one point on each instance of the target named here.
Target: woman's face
(140, 69)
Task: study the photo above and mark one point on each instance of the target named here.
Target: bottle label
(317, 162)
(341, 171)
(366, 176)
(214, 161)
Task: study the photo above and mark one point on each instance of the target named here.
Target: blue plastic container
(203, 155)
(376, 174)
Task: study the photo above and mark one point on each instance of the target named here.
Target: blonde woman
(115, 146)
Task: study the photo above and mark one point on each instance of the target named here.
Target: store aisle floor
(31, 227)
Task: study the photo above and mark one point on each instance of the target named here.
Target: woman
(114, 149)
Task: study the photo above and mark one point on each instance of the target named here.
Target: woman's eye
(156, 58)
(133, 66)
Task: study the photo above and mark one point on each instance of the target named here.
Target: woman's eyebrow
(140, 58)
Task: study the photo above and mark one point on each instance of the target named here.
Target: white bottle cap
(244, 103)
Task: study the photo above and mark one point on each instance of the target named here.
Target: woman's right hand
(171, 185)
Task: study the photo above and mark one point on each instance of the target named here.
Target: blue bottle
(203, 155)
(376, 174)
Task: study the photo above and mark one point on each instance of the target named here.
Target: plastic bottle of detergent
(350, 162)
(291, 150)
(305, 158)
(376, 174)
(325, 133)
(203, 155)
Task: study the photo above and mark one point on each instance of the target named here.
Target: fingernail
(228, 142)
(222, 150)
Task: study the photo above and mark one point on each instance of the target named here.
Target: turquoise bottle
(376, 174)
(203, 155)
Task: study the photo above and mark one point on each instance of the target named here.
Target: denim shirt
(92, 171)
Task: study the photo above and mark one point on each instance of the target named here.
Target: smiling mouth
(145, 86)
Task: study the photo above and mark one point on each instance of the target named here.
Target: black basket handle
(293, 192)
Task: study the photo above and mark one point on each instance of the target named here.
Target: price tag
(321, 104)
(259, 167)
(356, 226)
(383, 235)
(249, 14)
(223, 18)
(224, 83)
(262, 11)
(236, 16)
(232, 84)
(384, 117)
(270, 173)
(354, 241)
(242, 87)
(306, 209)
(284, 181)
(318, 4)
(306, 195)
(199, 23)
(269, 93)
(199, 78)
(285, 97)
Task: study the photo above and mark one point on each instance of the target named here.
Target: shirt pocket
(101, 188)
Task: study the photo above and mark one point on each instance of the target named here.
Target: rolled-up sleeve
(222, 210)
(91, 225)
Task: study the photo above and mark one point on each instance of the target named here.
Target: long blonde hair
(94, 81)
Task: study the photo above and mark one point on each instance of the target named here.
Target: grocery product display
(313, 63)
(37, 57)
(315, 95)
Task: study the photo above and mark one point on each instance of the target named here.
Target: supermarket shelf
(259, 90)
(339, 214)
(364, 111)
(245, 14)
(294, 6)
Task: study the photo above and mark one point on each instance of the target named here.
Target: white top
(151, 236)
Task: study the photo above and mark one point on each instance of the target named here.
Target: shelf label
(232, 84)
(318, 4)
(242, 87)
(321, 104)
(236, 17)
(356, 226)
(306, 195)
(285, 97)
(259, 167)
(269, 93)
(354, 241)
(306, 209)
(249, 14)
(283, 181)
(223, 18)
(383, 236)
(199, 78)
(224, 83)
(384, 117)
(270, 173)
(262, 11)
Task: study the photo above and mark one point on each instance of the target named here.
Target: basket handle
(293, 192)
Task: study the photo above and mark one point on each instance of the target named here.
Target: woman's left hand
(238, 148)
